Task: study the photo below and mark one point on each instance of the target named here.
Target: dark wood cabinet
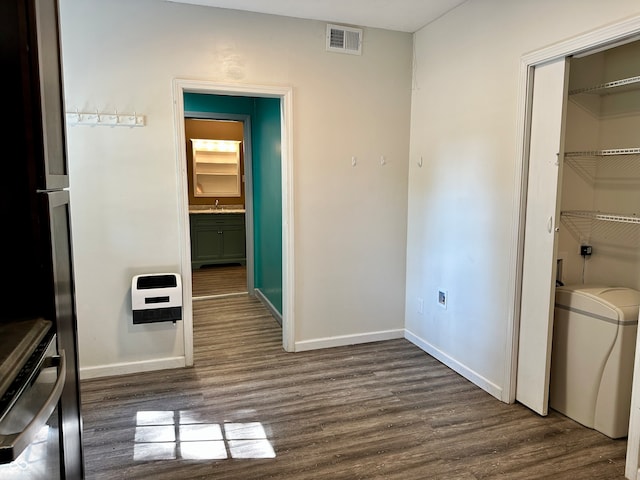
(34, 198)
(217, 239)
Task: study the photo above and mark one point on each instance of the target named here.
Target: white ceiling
(400, 15)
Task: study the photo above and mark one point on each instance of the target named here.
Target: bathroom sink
(216, 210)
(227, 210)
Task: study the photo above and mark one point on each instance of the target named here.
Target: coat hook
(117, 116)
(420, 162)
(97, 115)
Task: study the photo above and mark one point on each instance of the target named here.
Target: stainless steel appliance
(32, 383)
(35, 210)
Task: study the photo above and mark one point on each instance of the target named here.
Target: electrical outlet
(586, 250)
(442, 298)
(420, 306)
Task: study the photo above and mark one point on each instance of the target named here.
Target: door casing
(181, 86)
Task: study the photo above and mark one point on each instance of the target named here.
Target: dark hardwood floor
(248, 410)
(218, 280)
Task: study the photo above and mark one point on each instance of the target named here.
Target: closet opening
(580, 279)
(597, 293)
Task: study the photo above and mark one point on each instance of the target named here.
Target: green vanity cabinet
(217, 238)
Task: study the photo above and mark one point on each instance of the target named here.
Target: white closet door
(539, 269)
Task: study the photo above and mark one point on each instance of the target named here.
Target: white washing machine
(594, 339)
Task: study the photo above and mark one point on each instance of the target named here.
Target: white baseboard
(265, 301)
(344, 340)
(456, 366)
(131, 367)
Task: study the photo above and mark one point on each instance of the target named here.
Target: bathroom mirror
(216, 168)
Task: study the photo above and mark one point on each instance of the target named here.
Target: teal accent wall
(267, 181)
(199, 102)
(267, 200)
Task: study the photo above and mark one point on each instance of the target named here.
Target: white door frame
(607, 35)
(285, 94)
(248, 181)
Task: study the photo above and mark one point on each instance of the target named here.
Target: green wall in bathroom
(199, 102)
(267, 200)
(266, 137)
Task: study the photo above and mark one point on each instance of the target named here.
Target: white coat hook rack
(108, 119)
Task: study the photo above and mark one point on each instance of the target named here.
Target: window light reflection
(36, 461)
(196, 432)
(168, 435)
(155, 418)
(155, 433)
(251, 449)
(203, 450)
(154, 451)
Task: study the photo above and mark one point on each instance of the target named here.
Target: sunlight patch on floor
(169, 435)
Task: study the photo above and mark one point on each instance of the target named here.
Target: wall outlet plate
(586, 250)
(443, 297)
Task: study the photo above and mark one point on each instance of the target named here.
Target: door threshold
(221, 295)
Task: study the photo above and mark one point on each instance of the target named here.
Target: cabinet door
(540, 237)
(207, 243)
(234, 244)
(217, 239)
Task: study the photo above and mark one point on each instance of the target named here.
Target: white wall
(462, 202)
(350, 223)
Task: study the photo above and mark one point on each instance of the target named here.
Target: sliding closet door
(548, 109)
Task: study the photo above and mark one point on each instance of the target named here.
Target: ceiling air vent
(344, 39)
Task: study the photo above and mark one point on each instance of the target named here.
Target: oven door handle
(12, 445)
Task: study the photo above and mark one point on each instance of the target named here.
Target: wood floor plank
(218, 280)
(373, 411)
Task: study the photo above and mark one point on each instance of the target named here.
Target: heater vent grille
(344, 39)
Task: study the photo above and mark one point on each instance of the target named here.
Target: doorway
(532, 332)
(583, 189)
(218, 152)
(550, 67)
(285, 193)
